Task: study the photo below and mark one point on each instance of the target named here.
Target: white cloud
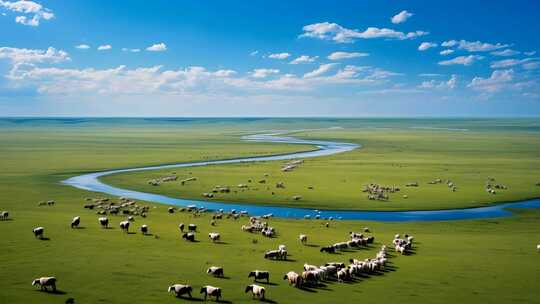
(426, 45)
(279, 56)
(531, 53)
(434, 84)
(322, 69)
(498, 81)
(474, 46)
(446, 52)
(254, 53)
(32, 11)
(505, 53)
(339, 34)
(31, 56)
(131, 50)
(224, 73)
(263, 73)
(304, 59)
(506, 63)
(104, 47)
(346, 55)
(82, 46)
(401, 17)
(531, 65)
(157, 47)
(463, 60)
(429, 75)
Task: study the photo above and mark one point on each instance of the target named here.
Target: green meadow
(475, 261)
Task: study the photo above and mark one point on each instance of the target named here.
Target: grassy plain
(486, 261)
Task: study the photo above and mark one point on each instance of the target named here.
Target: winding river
(91, 182)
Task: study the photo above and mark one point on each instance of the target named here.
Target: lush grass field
(388, 157)
(467, 261)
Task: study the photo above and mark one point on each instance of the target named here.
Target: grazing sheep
(171, 209)
(181, 226)
(328, 249)
(260, 275)
(308, 267)
(303, 238)
(293, 278)
(38, 232)
(104, 222)
(180, 290)
(282, 247)
(343, 275)
(192, 227)
(189, 236)
(4, 215)
(256, 290)
(272, 254)
(211, 291)
(538, 247)
(75, 222)
(215, 271)
(124, 225)
(214, 236)
(144, 229)
(44, 282)
(131, 218)
(309, 277)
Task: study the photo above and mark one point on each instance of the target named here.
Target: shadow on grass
(190, 299)
(312, 245)
(267, 301)
(44, 238)
(55, 292)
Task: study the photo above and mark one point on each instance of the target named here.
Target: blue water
(91, 182)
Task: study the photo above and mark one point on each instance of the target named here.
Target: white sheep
(256, 290)
(538, 247)
(4, 215)
(293, 278)
(215, 271)
(43, 282)
(282, 247)
(211, 291)
(124, 225)
(214, 236)
(75, 222)
(180, 289)
(302, 238)
(308, 267)
(144, 229)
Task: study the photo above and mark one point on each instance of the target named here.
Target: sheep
(44, 282)
(38, 232)
(192, 227)
(355, 235)
(215, 271)
(260, 275)
(400, 249)
(180, 290)
(75, 222)
(131, 218)
(181, 226)
(144, 229)
(4, 215)
(256, 290)
(339, 265)
(303, 238)
(124, 225)
(283, 254)
(214, 236)
(189, 236)
(211, 291)
(272, 254)
(293, 278)
(308, 267)
(538, 247)
(171, 209)
(282, 247)
(309, 277)
(343, 275)
(104, 222)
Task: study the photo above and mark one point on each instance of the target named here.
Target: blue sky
(270, 58)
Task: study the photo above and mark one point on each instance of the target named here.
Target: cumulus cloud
(446, 52)
(505, 53)
(279, 56)
(31, 56)
(82, 46)
(339, 34)
(499, 80)
(263, 73)
(346, 55)
(463, 60)
(104, 47)
(426, 45)
(32, 12)
(157, 47)
(474, 46)
(304, 59)
(401, 17)
(434, 84)
(322, 69)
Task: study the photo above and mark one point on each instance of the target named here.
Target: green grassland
(387, 157)
(480, 261)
